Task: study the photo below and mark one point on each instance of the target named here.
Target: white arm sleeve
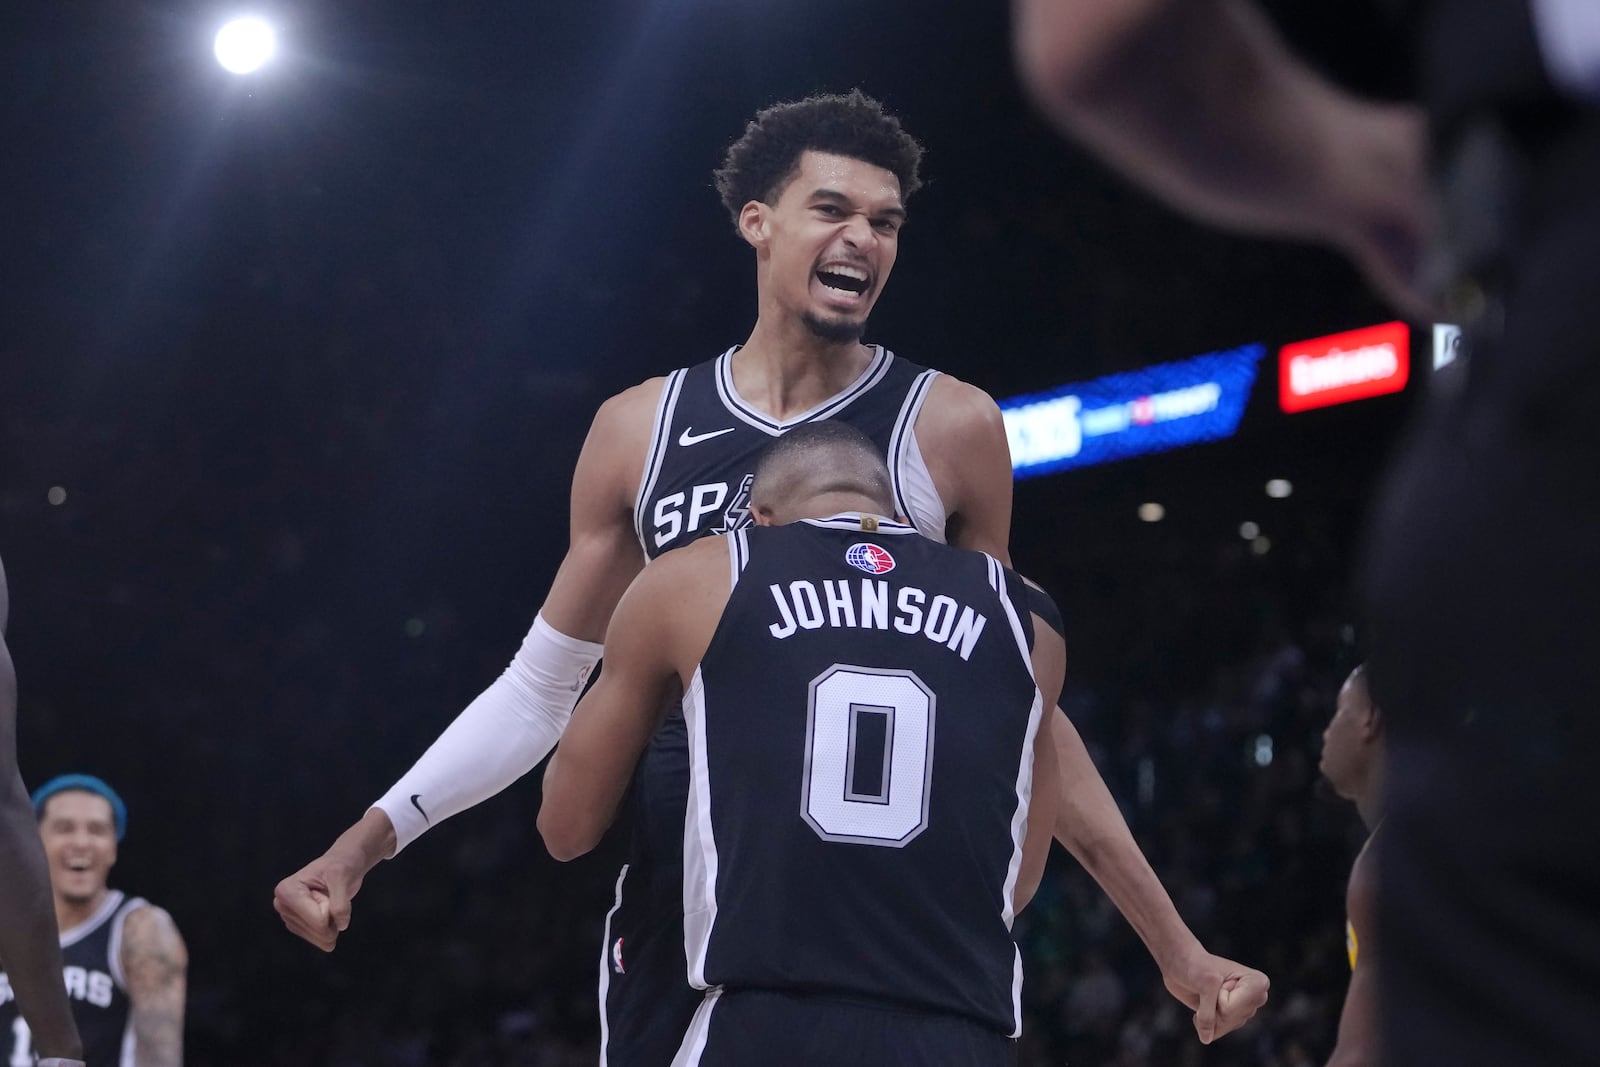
(498, 738)
(1569, 37)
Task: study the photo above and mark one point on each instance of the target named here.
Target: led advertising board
(1148, 410)
(1343, 367)
(1446, 344)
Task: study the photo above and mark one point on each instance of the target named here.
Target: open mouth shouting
(844, 285)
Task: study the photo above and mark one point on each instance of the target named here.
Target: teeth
(849, 272)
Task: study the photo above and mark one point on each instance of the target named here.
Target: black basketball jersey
(91, 954)
(706, 441)
(860, 738)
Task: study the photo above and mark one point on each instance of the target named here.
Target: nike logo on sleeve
(689, 437)
(418, 806)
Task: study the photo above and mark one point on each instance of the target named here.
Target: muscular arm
(1223, 994)
(155, 963)
(603, 556)
(29, 945)
(1358, 1044)
(963, 441)
(962, 437)
(1203, 104)
(510, 727)
(669, 611)
(514, 724)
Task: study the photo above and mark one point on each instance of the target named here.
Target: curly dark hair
(764, 160)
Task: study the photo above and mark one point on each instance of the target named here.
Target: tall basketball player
(817, 188)
(125, 963)
(28, 946)
(1353, 762)
(870, 801)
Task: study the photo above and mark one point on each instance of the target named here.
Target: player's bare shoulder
(152, 948)
(614, 451)
(956, 418)
(962, 438)
(698, 567)
(622, 425)
(683, 593)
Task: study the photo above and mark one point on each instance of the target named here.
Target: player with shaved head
(870, 797)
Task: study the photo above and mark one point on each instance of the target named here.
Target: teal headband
(88, 783)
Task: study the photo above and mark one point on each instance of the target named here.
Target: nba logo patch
(616, 958)
(874, 559)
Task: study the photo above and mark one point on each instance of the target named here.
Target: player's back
(700, 462)
(861, 735)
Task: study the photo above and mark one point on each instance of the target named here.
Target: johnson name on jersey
(860, 738)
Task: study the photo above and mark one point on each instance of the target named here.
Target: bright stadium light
(245, 44)
(1152, 512)
(1249, 530)
(1278, 488)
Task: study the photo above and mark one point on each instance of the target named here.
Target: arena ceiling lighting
(1279, 488)
(1152, 512)
(244, 45)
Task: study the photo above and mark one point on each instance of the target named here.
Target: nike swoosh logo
(414, 804)
(689, 437)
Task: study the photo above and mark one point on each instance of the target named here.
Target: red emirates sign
(1344, 367)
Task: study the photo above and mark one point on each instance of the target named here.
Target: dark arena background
(294, 368)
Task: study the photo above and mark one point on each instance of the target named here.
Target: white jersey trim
(1019, 817)
(914, 492)
(108, 907)
(605, 967)
(876, 368)
(738, 557)
(1016, 991)
(660, 437)
(699, 844)
(924, 506)
(694, 1041)
(851, 520)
